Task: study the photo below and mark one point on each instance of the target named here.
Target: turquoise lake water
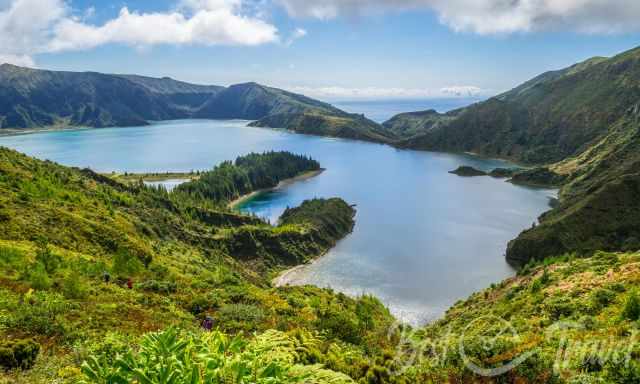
(423, 239)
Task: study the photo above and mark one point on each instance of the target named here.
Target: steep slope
(252, 101)
(349, 126)
(570, 321)
(411, 124)
(31, 98)
(599, 204)
(547, 119)
(582, 124)
(71, 239)
(275, 108)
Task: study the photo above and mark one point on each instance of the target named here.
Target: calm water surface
(423, 238)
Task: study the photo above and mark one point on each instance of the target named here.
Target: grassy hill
(33, 98)
(570, 320)
(580, 126)
(547, 119)
(65, 229)
(599, 201)
(349, 126)
(410, 124)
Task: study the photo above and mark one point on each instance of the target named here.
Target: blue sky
(326, 48)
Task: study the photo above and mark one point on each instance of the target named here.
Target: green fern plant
(170, 357)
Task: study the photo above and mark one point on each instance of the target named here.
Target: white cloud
(336, 92)
(25, 25)
(205, 26)
(29, 27)
(492, 16)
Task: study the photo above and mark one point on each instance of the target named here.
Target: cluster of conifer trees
(249, 173)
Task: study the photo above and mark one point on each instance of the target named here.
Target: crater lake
(424, 238)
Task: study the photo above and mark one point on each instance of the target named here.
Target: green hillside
(412, 124)
(33, 98)
(65, 229)
(571, 320)
(599, 202)
(580, 126)
(549, 118)
(252, 101)
(349, 126)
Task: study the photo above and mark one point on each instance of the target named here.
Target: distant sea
(382, 110)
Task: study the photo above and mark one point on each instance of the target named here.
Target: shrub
(339, 325)
(39, 278)
(47, 258)
(125, 265)
(560, 306)
(545, 278)
(108, 349)
(623, 372)
(536, 286)
(211, 357)
(601, 298)
(241, 312)
(73, 287)
(42, 317)
(9, 256)
(18, 353)
(159, 286)
(631, 310)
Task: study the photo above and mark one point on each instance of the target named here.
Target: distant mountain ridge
(34, 98)
(546, 119)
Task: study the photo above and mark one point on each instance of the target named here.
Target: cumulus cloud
(336, 92)
(206, 27)
(25, 26)
(30, 27)
(492, 16)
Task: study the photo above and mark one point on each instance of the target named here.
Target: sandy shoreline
(287, 276)
(307, 175)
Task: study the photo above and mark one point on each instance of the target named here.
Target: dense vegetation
(467, 171)
(556, 115)
(302, 233)
(253, 101)
(580, 125)
(72, 239)
(576, 320)
(502, 173)
(170, 357)
(540, 176)
(108, 283)
(247, 174)
(412, 124)
(32, 98)
(350, 126)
